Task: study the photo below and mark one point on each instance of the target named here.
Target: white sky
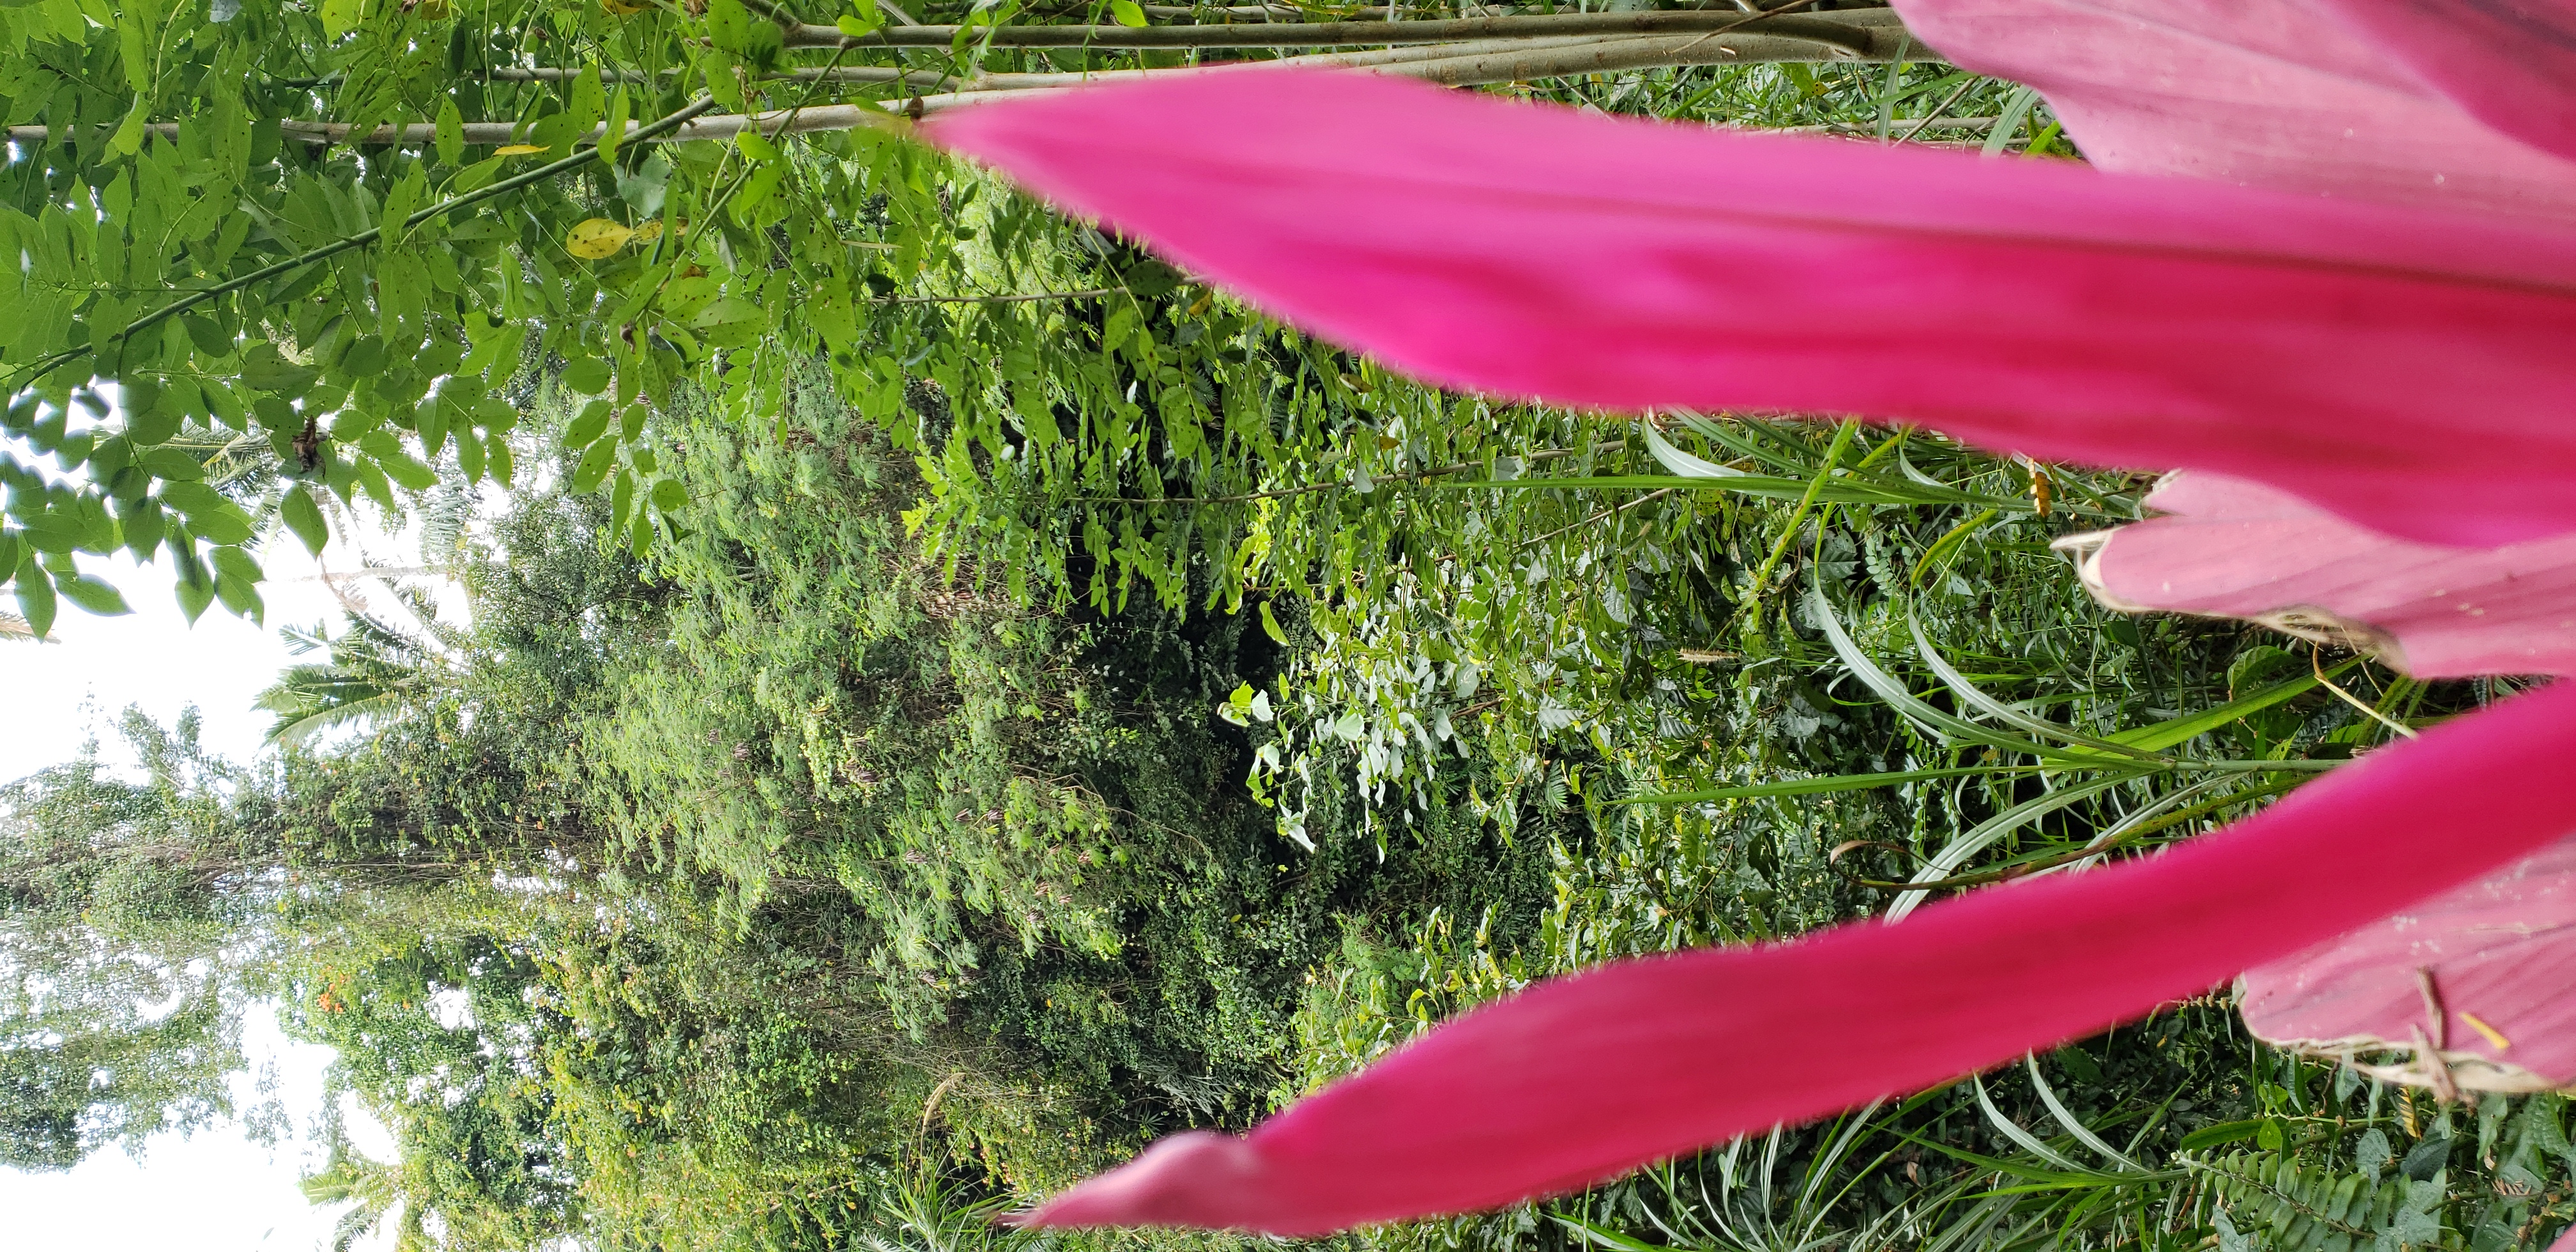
(216, 1191)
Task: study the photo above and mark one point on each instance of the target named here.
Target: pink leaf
(2229, 548)
(1583, 1077)
(2277, 94)
(2498, 957)
(2510, 62)
(2408, 369)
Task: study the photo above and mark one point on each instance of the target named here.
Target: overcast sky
(217, 1191)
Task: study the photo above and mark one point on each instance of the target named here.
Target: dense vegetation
(909, 749)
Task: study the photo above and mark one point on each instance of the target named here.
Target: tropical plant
(1598, 1073)
(374, 669)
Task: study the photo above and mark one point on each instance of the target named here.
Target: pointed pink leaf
(2277, 94)
(1586, 1076)
(2510, 62)
(2500, 955)
(2407, 369)
(2229, 548)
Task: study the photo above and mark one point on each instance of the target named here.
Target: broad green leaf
(451, 131)
(170, 464)
(587, 375)
(403, 469)
(594, 466)
(35, 590)
(304, 517)
(613, 131)
(92, 595)
(669, 496)
(239, 596)
(588, 427)
(339, 17)
(1126, 13)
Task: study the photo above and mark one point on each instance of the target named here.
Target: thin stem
(1037, 295)
(1938, 110)
(1551, 454)
(2316, 661)
(1806, 504)
(1602, 516)
(1856, 38)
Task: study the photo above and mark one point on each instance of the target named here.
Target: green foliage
(2333, 1189)
(124, 911)
(969, 698)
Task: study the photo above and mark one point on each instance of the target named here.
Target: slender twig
(1036, 295)
(1551, 454)
(1806, 504)
(2316, 660)
(1855, 37)
(1602, 516)
(1938, 110)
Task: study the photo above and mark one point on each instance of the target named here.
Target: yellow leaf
(596, 238)
(649, 231)
(519, 149)
(625, 8)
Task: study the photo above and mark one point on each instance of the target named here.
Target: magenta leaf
(2510, 62)
(2278, 94)
(1582, 1077)
(2229, 548)
(2405, 368)
(2472, 984)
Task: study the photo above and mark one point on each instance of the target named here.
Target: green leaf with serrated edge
(304, 517)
